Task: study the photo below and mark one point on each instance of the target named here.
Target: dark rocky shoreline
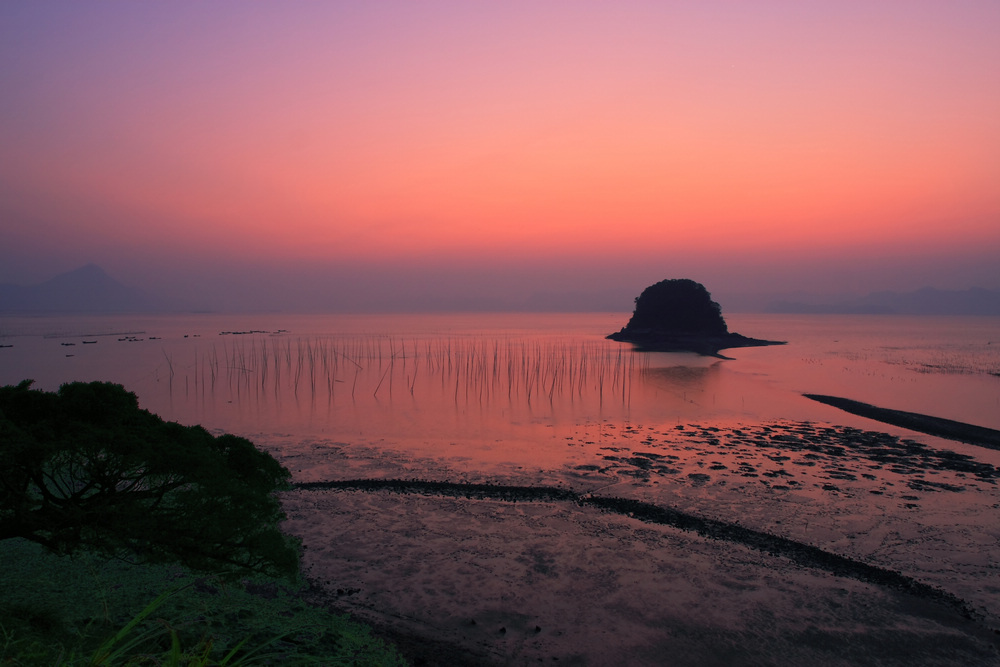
(936, 426)
(709, 346)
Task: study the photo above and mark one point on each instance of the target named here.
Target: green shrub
(86, 468)
(89, 610)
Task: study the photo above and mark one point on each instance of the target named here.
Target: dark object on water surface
(679, 316)
(937, 426)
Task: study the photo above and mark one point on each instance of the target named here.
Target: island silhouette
(678, 315)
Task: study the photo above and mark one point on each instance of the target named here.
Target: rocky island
(679, 315)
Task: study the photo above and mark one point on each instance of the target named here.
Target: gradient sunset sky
(342, 154)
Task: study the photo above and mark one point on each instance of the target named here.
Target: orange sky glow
(144, 136)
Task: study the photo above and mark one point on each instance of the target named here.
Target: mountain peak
(86, 289)
(88, 273)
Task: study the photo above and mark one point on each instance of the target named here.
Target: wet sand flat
(514, 579)
(515, 583)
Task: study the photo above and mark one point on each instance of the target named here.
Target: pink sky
(846, 146)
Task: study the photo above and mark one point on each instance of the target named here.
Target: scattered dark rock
(943, 428)
(800, 553)
(926, 485)
(347, 592)
(698, 478)
(640, 462)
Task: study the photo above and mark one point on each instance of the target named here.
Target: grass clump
(90, 610)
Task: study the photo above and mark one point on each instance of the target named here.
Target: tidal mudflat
(773, 543)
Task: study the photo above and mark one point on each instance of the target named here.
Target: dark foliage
(86, 468)
(680, 306)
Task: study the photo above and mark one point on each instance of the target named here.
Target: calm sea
(508, 381)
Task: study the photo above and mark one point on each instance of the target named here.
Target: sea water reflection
(500, 376)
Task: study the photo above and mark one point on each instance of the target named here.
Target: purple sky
(324, 155)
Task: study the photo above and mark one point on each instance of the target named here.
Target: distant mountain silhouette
(925, 301)
(87, 289)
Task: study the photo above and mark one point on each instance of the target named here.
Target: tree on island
(86, 468)
(679, 306)
(679, 315)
